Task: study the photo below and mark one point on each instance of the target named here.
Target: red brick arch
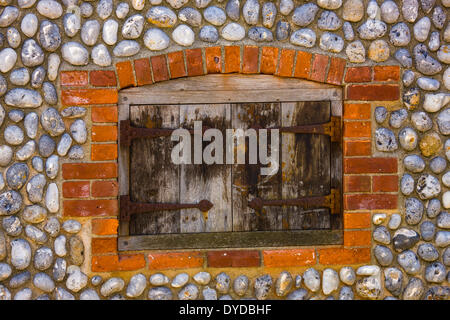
(370, 181)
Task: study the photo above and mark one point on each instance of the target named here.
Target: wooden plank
(153, 176)
(305, 164)
(206, 181)
(248, 182)
(215, 240)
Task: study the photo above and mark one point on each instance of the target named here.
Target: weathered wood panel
(206, 181)
(153, 176)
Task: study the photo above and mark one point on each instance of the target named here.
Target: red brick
(159, 67)
(386, 73)
(102, 189)
(370, 201)
(357, 129)
(89, 170)
(104, 114)
(103, 78)
(357, 220)
(176, 64)
(76, 189)
(232, 59)
(340, 256)
(356, 183)
(358, 74)
(175, 260)
(233, 258)
(357, 148)
(336, 72)
(143, 71)
(357, 111)
(125, 74)
(319, 68)
(90, 208)
(373, 92)
(104, 133)
(289, 258)
(103, 245)
(213, 56)
(250, 59)
(89, 96)
(74, 78)
(123, 262)
(286, 64)
(194, 62)
(105, 227)
(102, 152)
(370, 165)
(357, 238)
(269, 59)
(303, 65)
(385, 183)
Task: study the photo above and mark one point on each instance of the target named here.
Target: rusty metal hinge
(127, 207)
(331, 201)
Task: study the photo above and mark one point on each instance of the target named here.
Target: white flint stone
(53, 66)
(444, 54)
(133, 27)
(389, 11)
(304, 37)
(52, 198)
(8, 16)
(111, 286)
(329, 4)
(356, 52)
(60, 246)
(428, 84)
(50, 9)
(75, 53)
(183, 35)
(378, 218)
(233, 32)
(72, 24)
(435, 101)
(286, 6)
(330, 281)
(100, 55)
(446, 78)
(373, 10)
(90, 32)
(104, 8)
(8, 58)
(52, 166)
(138, 4)
(156, 39)
(126, 48)
(435, 41)
(109, 32)
(29, 25)
(26, 151)
(136, 286)
(422, 29)
(122, 10)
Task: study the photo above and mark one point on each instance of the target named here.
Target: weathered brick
(385, 183)
(373, 92)
(74, 78)
(125, 74)
(175, 260)
(89, 170)
(250, 59)
(357, 238)
(357, 111)
(357, 183)
(103, 78)
(76, 189)
(143, 71)
(103, 189)
(269, 59)
(303, 65)
(213, 56)
(159, 67)
(370, 165)
(104, 133)
(336, 72)
(104, 114)
(386, 73)
(176, 64)
(105, 227)
(340, 256)
(370, 201)
(357, 129)
(123, 262)
(89, 96)
(286, 64)
(319, 68)
(289, 258)
(233, 258)
(358, 74)
(103, 245)
(102, 152)
(357, 148)
(357, 220)
(90, 208)
(194, 62)
(232, 59)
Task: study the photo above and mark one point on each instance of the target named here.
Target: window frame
(228, 88)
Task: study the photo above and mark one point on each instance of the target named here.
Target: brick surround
(90, 188)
